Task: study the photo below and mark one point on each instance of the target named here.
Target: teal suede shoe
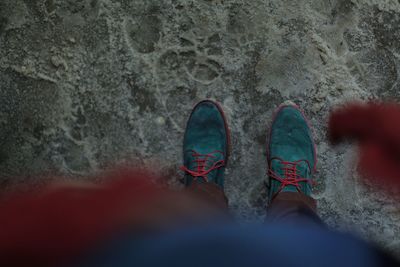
(206, 144)
(291, 152)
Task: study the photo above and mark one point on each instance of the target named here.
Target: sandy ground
(85, 84)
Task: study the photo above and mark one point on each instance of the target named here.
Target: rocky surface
(86, 84)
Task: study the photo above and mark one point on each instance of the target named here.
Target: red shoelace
(202, 160)
(290, 175)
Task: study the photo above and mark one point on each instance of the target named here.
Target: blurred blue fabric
(234, 245)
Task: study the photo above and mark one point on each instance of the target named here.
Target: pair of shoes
(291, 152)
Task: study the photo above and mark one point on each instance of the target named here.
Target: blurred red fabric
(376, 128)
(50, 227)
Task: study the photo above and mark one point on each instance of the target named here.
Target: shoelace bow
(290, 175)
(202, 160)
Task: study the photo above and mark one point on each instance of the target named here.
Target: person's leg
(291, 158)
(205, 152)
(292, 207)
(210, 193)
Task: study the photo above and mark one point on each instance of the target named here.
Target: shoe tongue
(209, 162)
(302, 171)
(302, 168)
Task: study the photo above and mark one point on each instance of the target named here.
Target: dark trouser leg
(199, 203)
(211, 194)
(293, 207)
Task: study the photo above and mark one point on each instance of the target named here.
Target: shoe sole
(276, 112)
